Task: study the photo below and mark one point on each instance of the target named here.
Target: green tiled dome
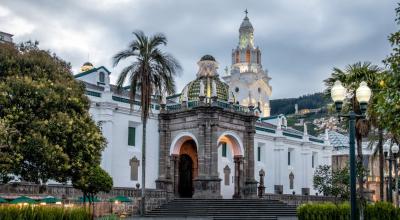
(194, 88)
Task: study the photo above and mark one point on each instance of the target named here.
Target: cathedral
(214, 139)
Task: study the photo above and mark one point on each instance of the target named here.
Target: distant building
(5, 37)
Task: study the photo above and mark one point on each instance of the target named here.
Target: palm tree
(351, 77)
(151, 74)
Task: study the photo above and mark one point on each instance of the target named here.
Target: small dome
(207, 57)
(246, 25)
(86, 66)
(193, 88)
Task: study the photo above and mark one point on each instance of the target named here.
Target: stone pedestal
(305, 191)
(250, 189)
(207, 188)
(278, 189)
(167, 186)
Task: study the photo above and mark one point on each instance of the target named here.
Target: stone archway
(184, 162)
(231, 159)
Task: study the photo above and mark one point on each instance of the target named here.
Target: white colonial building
(213, 139)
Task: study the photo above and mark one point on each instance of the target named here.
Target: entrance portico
(194, 136)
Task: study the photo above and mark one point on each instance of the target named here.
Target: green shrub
(330, 211)
(42, 213)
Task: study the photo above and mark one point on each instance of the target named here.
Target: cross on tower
(246, 12)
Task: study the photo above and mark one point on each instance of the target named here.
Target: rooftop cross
(246, 12)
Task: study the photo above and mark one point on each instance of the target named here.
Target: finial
(163, 98)
(214, 89)
(305, 129)
(201, 94)
(230, 97)
(185, 95)
(246, 12)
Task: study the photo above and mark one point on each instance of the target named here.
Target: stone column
(305, 190)
(214, 150)
(261, 187)
(107, 157)
(238, 160)
(250, 191)
(175, 162)
(207, 184)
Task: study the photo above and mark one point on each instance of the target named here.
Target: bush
(43, 213)
(330, 211)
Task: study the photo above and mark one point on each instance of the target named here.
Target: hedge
(43, 213)
(330, 211)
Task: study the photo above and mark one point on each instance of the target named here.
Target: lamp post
(363, 94)
(395, 150)
(391, 153)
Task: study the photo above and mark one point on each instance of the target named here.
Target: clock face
(246, 39)
(243, 41)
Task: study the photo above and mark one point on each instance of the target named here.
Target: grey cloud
(301, 40)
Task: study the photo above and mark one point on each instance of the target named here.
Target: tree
(388, 104)
(47, 132)
(151, 71)
(351, 77)
(332, 182)
(91, 181)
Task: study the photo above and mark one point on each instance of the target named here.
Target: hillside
(287, 106)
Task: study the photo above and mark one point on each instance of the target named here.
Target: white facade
(273, 141)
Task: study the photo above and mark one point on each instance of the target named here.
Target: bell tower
(247, 80)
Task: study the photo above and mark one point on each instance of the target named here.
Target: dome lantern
(207, 82)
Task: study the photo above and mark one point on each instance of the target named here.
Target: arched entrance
(230, 164)
(185, 176)
(184, 157)
(188, 168)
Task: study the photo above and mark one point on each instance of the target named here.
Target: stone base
(305, 191)
(166, 185)
(278, 189)
(207, 188)
(250, 189)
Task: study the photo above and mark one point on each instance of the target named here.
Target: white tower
(247, 75)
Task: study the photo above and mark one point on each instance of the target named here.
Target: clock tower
(248, 82)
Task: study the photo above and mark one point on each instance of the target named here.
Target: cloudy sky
(301, 40)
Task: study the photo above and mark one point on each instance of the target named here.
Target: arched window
(237, 56)
(291, 180)
(248, 56)
(258, 57)
(101, 77)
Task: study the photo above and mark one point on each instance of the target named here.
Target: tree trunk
(143, 204)
(381, 164)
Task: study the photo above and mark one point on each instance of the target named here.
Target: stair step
(221, 209)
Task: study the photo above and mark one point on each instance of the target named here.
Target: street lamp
(391, 153)
(395, 150)
(363, 94)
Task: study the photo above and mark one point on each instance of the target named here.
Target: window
(248, 56)
(237, 89)
(131, 136)
(288, 158)
(224, 149)
(101, 77)
(227, 173)
(258, 153)
(312, 161)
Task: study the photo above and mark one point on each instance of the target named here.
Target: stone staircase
(225, 209)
